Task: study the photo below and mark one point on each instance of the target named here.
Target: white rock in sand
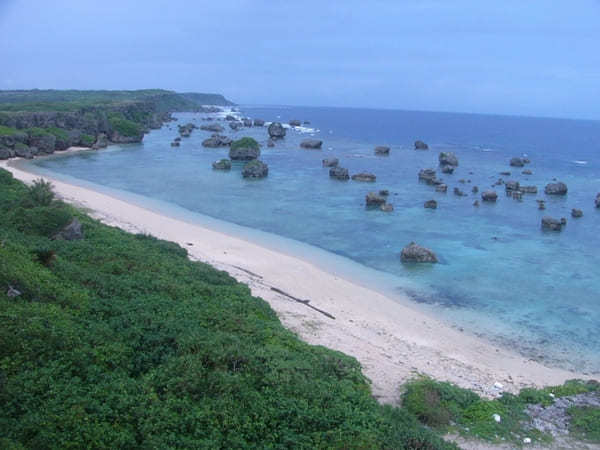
(498, 385)
(497, 418)
(526, 440)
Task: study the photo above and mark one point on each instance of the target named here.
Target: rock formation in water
(557, 188)
(311, 144)
(255, 169)
(276, 131)
(414, 253)
(420, 145)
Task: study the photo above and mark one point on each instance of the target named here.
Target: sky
(518, 57)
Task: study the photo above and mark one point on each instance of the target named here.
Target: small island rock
(414, 253)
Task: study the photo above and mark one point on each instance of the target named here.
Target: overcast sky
(524, 57)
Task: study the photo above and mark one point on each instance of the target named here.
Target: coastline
(391, 340)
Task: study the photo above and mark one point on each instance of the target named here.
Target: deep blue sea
(499, 274)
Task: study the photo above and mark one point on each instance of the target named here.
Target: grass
(120, 341)
(447, 407)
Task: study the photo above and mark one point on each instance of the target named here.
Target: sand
(393, 341)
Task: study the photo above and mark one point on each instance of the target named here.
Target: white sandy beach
(392, 341)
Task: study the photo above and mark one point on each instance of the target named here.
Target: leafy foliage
(123, 126)
(87, 140)
(123, 342)
(7, 131)
(585, 422)
(245, 142)
(40, 193)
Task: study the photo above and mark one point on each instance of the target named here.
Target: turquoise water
(500, 275)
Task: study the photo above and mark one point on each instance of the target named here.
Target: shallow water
(499, 275)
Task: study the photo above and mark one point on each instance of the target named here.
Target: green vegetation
(585, 422)
(59, 133)
(207, 99)
(447, 407)
(245, 142)
(120, 341)
(37, 132)
(7, 131)
(123, 126)
(87, 140)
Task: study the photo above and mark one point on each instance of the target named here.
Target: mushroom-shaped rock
(382, 150)
(489, 196)
(276, 131)
(552, 224)
(576, 213)
(364, 176)
(339, 173)
(311, 143)
(72, 232)
(295, 123)
(259, 123)
(214, 127)
(420, 145)
(255, 169)
(558, 188)
(414, 253)
(427, 175)
(244, 149)
(448, 159)
(216, 140)
(331, 162)
(430, 204)
(222, 164)
(373, 199)
(517, 162)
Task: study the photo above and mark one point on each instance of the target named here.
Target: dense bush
(123, 126)
(245, 142)
(120, 341)
(585, 422)
(59, 133)
(86, 140)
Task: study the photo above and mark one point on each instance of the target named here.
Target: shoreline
(393, 341)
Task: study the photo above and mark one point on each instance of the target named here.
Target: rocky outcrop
(331, 162)
(364, 176)
(414, 253)
(511, 185)
(541, 204)
(311, 144)
(295, 123)
(448, 169)
(517, 162)
(276, 131)
(373, 199)
(549, 223)
(244, 153)
(528, 189)
(222, 164)
(247, 122)
(229, 117)
(270, 143)
(576, 213)
(420, 145)
(459, 192)
(24, 151)
(119, 138)
(384, 192)
(448, 159)
(235, 125)
(255, 169)
(72, 232)
(259, 123)
(489, 196)
(214, 127)
(101, 142)
(557, 188)
(441, 188)
(43, 141)
(527, 172)
(475, 190)
(216, 140)
(597, 201)
(427, 175)
(339, 173)
(430, 204)
(382, 150)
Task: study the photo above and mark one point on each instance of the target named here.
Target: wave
(581, 163)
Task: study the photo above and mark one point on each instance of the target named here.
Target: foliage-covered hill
(207, 99)
(120, 341)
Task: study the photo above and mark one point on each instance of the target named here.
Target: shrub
(59, 133)
(245, 142)
(41, 193)
(37, 132)
(585, 422)
(40, 220)
(86, 140)
(123, 126)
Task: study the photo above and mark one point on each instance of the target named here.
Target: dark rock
(563, 221)
(527, 172)
(175, 144)
(462, 180)
(489, 196)
(229, 117)
(431, 204)
(259, 123)
(517, 162)
(6, 153)
(475, 190)
(12, 292)
(331, 162)
(255, 169)
(23, 151)
(458, 192)
(427, 175)
(558, 188)
(339, 173)
(576, 213)
(270, 143)
(295, 123)
(235, 125)
(101, 142)
(541, 204)
(276, 131)
(526, 160)
(384, 192)
(528, 189)
(244, 153)
(307, 122)
(500, 182)
(364, 176)
(311, 143)
(386, 207)
(247, 122)
(516, 195)
(448, 169)
(420, 145)
(222, 164)
(512, 185)
(549, 223)
(506, 174)
(414, 253)
(214, 127)
(44, 142)
(177, 139)
(72, 232)
(476, 203)
(216, 140)
(373, 199)
(448, 159)
(597, 201)
(441, 188)
(382, 150)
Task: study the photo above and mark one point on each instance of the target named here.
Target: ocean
(500, 275)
